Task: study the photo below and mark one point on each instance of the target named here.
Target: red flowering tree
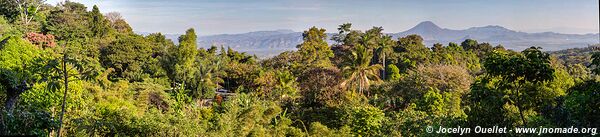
(41, 40)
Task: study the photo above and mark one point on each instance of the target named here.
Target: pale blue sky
(239, 16)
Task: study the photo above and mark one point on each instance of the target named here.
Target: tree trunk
(521, 113)
(12, 96)
(64, 101)
(384, 67)
(360, 86)
(10, 103)
(520, 108)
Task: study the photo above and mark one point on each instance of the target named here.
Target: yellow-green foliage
(17, 53)
(245, 115)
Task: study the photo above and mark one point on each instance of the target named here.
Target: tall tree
(66, 83)
(206, 81)
(314, 50)
(117, 22)
(113, 17)
(361, 73)
(184, 57)
(69, 21)
(98, 25)
(345, 40)
(28, 9)
(372, 37)
(343, 30)
(410, 51)
(518, 70)
(385, 47)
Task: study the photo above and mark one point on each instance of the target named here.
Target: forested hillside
(270, 43)
(65, 70)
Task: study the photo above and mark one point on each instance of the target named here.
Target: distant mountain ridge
(270, 43)
(253, 40)
(494, 34)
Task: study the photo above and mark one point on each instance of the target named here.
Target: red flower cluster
(41, 40)
(219, 99)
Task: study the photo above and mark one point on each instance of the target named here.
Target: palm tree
(360, 73)
(384, 47)
(207, 77)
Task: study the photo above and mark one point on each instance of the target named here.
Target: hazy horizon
(232, 17)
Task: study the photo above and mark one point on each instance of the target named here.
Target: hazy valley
(270, 43)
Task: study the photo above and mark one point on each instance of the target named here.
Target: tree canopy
(67, 71)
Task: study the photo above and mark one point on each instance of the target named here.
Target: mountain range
(271, 43)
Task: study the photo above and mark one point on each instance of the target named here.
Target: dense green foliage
(118, 83)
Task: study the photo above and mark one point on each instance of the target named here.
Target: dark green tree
(582, 103)
(409, 52)
(130, 56)
(99, 26)
(469, 44)
(455, 55)
(437, 47)
(345, 40)
(481, 49)
(69, 21)
(314, 50)
(343, 31)
(516, 72)
(8, 9)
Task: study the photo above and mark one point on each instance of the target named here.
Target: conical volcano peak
(428, 25)
(425, 28)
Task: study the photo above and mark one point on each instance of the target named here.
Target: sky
(211, 17)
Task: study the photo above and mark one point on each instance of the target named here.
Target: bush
(364, 120)
(27, 122)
